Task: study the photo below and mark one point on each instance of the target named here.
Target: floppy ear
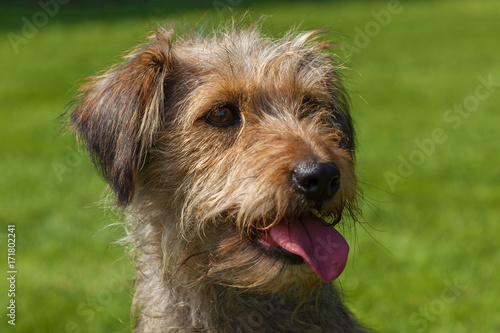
(118, 113)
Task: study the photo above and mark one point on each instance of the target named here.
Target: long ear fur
(118, 113)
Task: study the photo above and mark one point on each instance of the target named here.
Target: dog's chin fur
(219, 254)
(198, 194)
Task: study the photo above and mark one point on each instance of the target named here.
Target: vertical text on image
(11, 273)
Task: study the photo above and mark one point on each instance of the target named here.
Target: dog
(232, 155)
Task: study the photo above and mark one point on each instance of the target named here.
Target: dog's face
(243, 144)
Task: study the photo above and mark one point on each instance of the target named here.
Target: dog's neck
(221, 309)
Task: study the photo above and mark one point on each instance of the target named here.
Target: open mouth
(308, 239)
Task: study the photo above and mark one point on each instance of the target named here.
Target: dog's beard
(287, 255)
(271, 247)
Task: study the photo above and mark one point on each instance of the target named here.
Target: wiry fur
(196, 195)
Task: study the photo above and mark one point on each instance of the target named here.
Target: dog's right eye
(223, 116)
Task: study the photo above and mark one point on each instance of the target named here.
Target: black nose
(316, 181)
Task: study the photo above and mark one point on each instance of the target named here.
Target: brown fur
(196, 195)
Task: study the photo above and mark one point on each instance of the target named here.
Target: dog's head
(245, 141)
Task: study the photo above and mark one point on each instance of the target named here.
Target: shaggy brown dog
(232, 157)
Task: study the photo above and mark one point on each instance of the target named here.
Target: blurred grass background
(427, 258)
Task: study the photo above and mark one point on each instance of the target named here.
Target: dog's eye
(223, 116)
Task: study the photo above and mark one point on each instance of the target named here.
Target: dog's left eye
(223, 116)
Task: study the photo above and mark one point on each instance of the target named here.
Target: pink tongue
(321, 246)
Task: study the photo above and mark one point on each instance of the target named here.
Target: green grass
(436, 227)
